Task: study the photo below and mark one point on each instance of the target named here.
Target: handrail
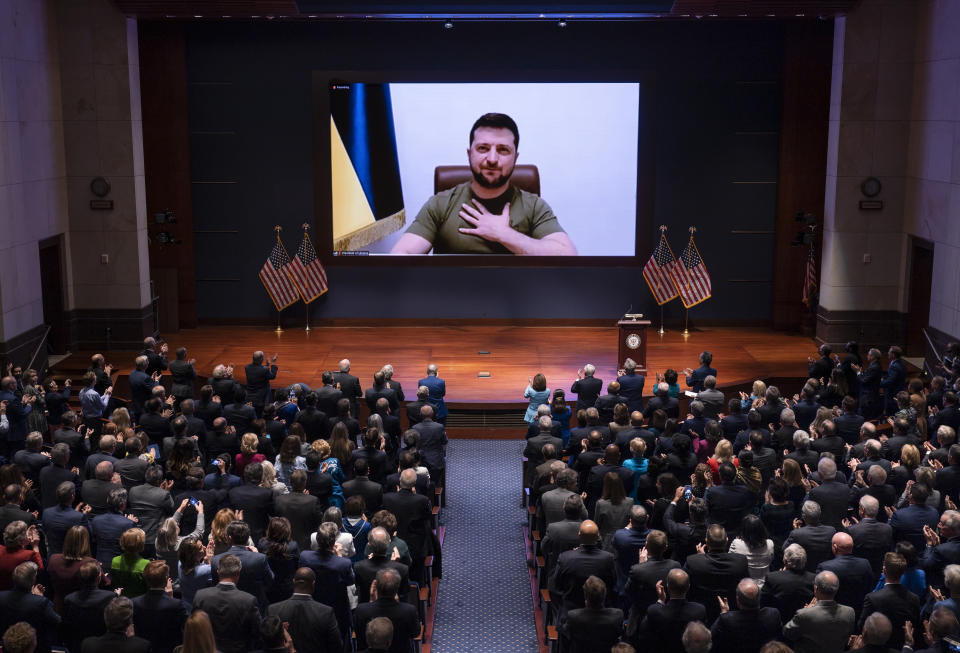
(933, 348)
(39, 345)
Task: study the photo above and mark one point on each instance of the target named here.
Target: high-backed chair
(525, 177)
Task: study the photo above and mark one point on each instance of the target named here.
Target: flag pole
(279, 329)
(306, 304)
(686, 322)
(661, 330)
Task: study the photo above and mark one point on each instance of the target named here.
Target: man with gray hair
(142, 384)
(802, 453)
(631, 385)
(382, 556)
(711, 398)
(942, 549)
(814, 537)
(696, 638)
(413, 408)
(438, 389)
(348, 384)
(871, 538)
(233, 613)
(872, 452)
(875, 634)
(832, 495)
(824, 626)
(790, 589)
(662, 401)
(749, 627)
(534, 449)
(587, 387)
(258, 380)
(118, 617)
(25, 603)
(535, 428)
(393, 385)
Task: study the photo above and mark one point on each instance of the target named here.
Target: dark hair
(278, 536)
(496, 121)
(668, 484)
(908, 551)
(613, 488)
(670, 376)
(779, 490)
(753, 532)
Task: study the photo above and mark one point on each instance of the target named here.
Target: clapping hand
(701, 547)
(930, 536)
(908, 632)
(948, 503)
(642, 556)
(724, 605)
(661, 592)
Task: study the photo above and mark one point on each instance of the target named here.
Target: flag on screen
(690, 275)
(657, 272)
(306, 271)
(279, 287)
(809, 279)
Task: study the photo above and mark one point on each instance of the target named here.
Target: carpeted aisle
(483, 603)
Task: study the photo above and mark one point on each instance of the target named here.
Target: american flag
(657, 275)
(279, 287)
(809, 279)
(691, 276)
(307, 272)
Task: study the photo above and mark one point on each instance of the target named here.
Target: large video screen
(475, 169)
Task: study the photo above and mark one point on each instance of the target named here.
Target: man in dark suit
(312, 625)
(942, 549)
(830, 441)
(21, 604)
(695, 377)
(31, 459)
(156, 357)
(551, 508)
(663, 401)
(438, 390)
(255, 501)
(895, 601)
(806, 407)
(233, 612)
(636, 430)
(365, 570)
(256, 575)
(772, 407)
(948, 478)
(562, 535)
(414, 518)
(855, 574)
(315, 422)
(372, 454)
(379, 635)
(142, 384)
(848, 423)
(301, 509)
(56, 473)
(327, 394)
(586, 387)
(832, 496)
(711, 398)
(378, 390)
(949, 415)
(11, 511)
(334, 574)
(83, 609)
(790, 589)
(662, 628)
(106, 447)
(871, 538)
(361, 485)
(574, 567)
(825, 625)
(605, 403)
(715, 573)
(593, 627)
(815, 538)
(348, 384)
(902, 435)
(68, 434)
(728, 502)
(869, 378)
(433, 443)
(384, 602)
(609, 463)
(159, 617)
(626, 544)
(640, 588)
(413, 407)
(108, 527)
(240, 413)
(748, 627)
(387, 370)
(631, 385)
(910, 522)
(57, 520)
(734, 421)
(17, 409)
(894, 380)
(820, 368)
(118, 618)
(695, 422)
(151, 503)
(258, 380)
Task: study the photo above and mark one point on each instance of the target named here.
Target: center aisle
(484, 599)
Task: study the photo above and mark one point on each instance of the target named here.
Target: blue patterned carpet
(483, 603)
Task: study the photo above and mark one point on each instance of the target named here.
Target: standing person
(183, 375)
(538, 393)
(93, 404)
(348, 384)
(631, 385)
(438, 389)
(156, 358)
(17, 410)
(894, 381)
(587, 387)
(237, 620)
(560, 413)
(695, 377)
(258, 380)
(868, 380)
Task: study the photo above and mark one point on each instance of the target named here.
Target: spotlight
(448, 25)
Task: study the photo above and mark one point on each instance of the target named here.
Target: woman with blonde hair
(248, 453)
(169, 538)
(723, 453)
(197, 635)
(64, 567)
(218, 530)
(270, 480)
(126, 570)
(637, 463)
(121, 417)
(331, 465)
(906, 470)
(823, 414)
(758, 391)
(791, 473)
(919, 405)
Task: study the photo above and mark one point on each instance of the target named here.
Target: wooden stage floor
(515, 353)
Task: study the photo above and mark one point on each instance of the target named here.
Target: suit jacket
(17, 416)
(727, 504)
(184, 375)
(406, 623)
(534, 452)
(50, 477)
(587, 390)
(315, 423)
(377, 463)
(871, 539)
(733, 424)
(156, 426)
(10, 513)
(745, 631)
(233, 615)
(365, 572)
(551, 508)
(899, 604)
(79, 445)
(83, 615)
(256, 575)
(641, 589)
(151, 504)
(822, 628)
(327, 398)
(371, 491)
(304, 512)
(631, 389)
(56, 522)
(948, 482)
(815, 540)
(37, 611)
(433, 439)
(820, 368)
(908, 522)
(373, 394)
(115, 643)
(573, 569)
(669, 405)
(833, 497)
(592, 630)
(662, 628)
(787, 591)
(159, 619)
(683, 537)
(605, 404)
(141, 390)
(438, 389)
(257, 505)
(560, 536)
(334, 575)
(695, 380)
(239, 416)
(869, 378)
(30, 463)
(712, 403)
(414, 519)
(856, 579)
(805, 411)
(106, 530)
(848, 426)
(258, 382)
(714, 574)
(313, 625)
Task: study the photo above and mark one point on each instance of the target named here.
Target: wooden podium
(632, 336)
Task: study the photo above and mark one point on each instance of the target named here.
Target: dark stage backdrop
(717, 93)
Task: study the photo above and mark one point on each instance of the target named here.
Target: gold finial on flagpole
(692, 230)
(306, 226)
(663, 228)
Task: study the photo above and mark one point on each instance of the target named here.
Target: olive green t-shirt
(439, 220)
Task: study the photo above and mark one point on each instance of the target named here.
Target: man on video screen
(487, 215)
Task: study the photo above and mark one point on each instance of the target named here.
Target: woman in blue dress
(560, 412)
(538, 393)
